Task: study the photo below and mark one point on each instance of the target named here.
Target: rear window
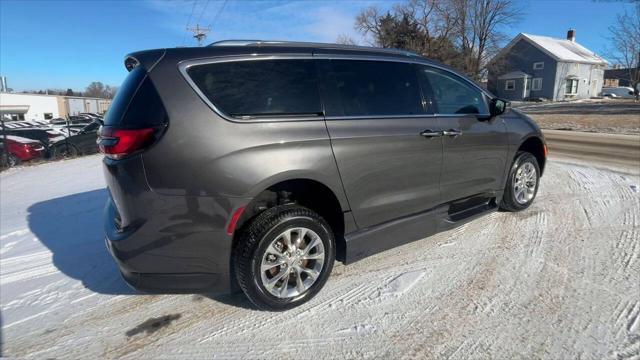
(260, 87)
(376, 87)
(123, 96)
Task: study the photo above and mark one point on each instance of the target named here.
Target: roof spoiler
(147, 59)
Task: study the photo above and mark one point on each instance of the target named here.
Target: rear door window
(253, 88)
(452, 94)
(375, 88)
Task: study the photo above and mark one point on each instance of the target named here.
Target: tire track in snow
(554, 281)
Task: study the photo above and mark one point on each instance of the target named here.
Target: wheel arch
(307, 191)
(536, 146)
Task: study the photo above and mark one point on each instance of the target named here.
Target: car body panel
(405, 165)
(473, 162)
(171, 204)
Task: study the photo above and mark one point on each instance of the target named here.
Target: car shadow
(72, 228)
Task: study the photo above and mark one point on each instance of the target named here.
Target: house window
(48, 116)
(538, 65)
(537, 84)
(572, 87)
(510, 85)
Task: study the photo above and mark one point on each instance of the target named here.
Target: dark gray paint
(393, 185)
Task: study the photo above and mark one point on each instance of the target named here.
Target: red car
(21, 149)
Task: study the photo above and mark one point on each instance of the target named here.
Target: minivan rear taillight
(118, 143)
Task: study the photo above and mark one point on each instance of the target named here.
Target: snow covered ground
(560, 280)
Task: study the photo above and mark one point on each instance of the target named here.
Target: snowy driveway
(560, 280)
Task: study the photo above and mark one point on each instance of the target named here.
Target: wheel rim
(292, 262)
(12, 161)
(65, 153)
(524, 186)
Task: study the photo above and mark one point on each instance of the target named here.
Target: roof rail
(311, 44)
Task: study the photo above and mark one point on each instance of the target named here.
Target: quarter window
(452, 94)
(245, 89)
(376, 87)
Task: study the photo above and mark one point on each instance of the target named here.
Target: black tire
(13, 160)
(64, 152)
(253, 241)
(509, 201)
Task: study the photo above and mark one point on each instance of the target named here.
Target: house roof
(514, 75)
(559, 49)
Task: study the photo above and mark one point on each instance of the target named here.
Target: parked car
(82, 141)
(256, 166)
(91, 115)
(622, 92)
(43, 135)
(80, 119)
(21, 149)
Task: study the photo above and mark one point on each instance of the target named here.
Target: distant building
(532, 66)
(620, 76)
(16, 106)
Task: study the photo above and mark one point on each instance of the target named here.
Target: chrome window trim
(183, 67)
(375, 117)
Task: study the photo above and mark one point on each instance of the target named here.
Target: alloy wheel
(292, 262)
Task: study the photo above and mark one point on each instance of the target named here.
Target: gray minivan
(254, 165)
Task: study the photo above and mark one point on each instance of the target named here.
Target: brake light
(118, 143)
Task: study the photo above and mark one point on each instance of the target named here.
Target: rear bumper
(171, 283)
(159, 255)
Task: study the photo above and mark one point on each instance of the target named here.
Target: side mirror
(497, 106)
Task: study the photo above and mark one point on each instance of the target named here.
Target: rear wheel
(65, 151)
(283, 257)
(13, 160)
(522, 184)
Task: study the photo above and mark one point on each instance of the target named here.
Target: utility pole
(199, 33)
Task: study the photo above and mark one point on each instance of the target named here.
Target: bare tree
(422, 26)
(95, 89)
(346, 40)
(478, 30)
(110, 91)
(99, 90)
(625, 39)
(462, 33)
(368, 23)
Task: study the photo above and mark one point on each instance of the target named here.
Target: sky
(68, 44)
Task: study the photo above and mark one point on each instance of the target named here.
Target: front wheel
(522, 184)
(283, 257)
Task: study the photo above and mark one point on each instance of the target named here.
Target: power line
(189, 20)
(219, 12)
(199, 33)
(202, 12)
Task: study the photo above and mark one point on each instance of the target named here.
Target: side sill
(366, 242)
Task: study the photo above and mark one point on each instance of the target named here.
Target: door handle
(452, 132)
(431, 133)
